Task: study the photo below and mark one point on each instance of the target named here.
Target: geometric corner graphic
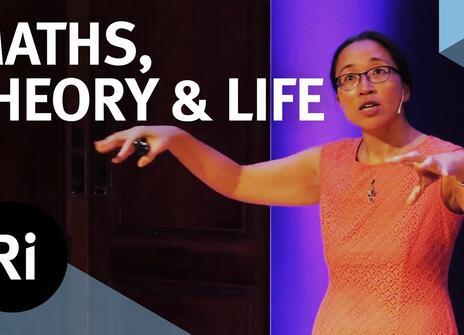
(84, 306)
(455, 52)
(451, 30)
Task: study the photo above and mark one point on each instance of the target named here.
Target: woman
(390, 201)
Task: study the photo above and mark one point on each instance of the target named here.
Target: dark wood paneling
(33, 166)
(159, 235)
(199, 309)
(192, 263)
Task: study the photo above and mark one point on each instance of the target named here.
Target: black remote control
(141, 146)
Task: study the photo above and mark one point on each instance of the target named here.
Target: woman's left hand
(432, 167)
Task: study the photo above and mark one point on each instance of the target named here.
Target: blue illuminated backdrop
(304, 35)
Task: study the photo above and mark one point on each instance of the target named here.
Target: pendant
(372, 193)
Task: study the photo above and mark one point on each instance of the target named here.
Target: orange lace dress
(388, 262)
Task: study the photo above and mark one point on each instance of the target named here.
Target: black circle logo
(33, 257)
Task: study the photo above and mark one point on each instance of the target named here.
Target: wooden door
(157, 234)
(33, 168)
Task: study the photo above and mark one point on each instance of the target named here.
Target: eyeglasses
(375, 75)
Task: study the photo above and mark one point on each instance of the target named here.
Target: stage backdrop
(304, 35)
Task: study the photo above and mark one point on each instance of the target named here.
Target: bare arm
(452, 186)
(292, 180)
(453, 194)
(447, 166)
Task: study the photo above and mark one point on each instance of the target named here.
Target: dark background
(157, 235)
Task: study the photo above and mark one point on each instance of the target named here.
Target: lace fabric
(388, 262)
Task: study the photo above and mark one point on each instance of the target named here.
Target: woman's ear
(406, 93)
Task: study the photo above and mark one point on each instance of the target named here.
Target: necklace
(372, 193)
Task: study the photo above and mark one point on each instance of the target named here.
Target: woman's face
(370, 106)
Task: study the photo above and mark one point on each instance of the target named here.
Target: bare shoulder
(291, 180)
(308, 159)
(335, 151)
(434, 145)
(304, 166)
(303, 172)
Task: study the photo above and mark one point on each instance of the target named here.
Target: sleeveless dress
(388, 262)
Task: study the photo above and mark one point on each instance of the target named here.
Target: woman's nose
(365, 86)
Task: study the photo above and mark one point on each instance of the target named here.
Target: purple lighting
(304, 35)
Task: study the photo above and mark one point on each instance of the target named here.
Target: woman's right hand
(292, 180)
(158, 137)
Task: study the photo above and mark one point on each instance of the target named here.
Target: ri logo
(10, 255)
(33, 256)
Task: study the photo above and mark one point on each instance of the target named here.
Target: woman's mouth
(369, 108)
